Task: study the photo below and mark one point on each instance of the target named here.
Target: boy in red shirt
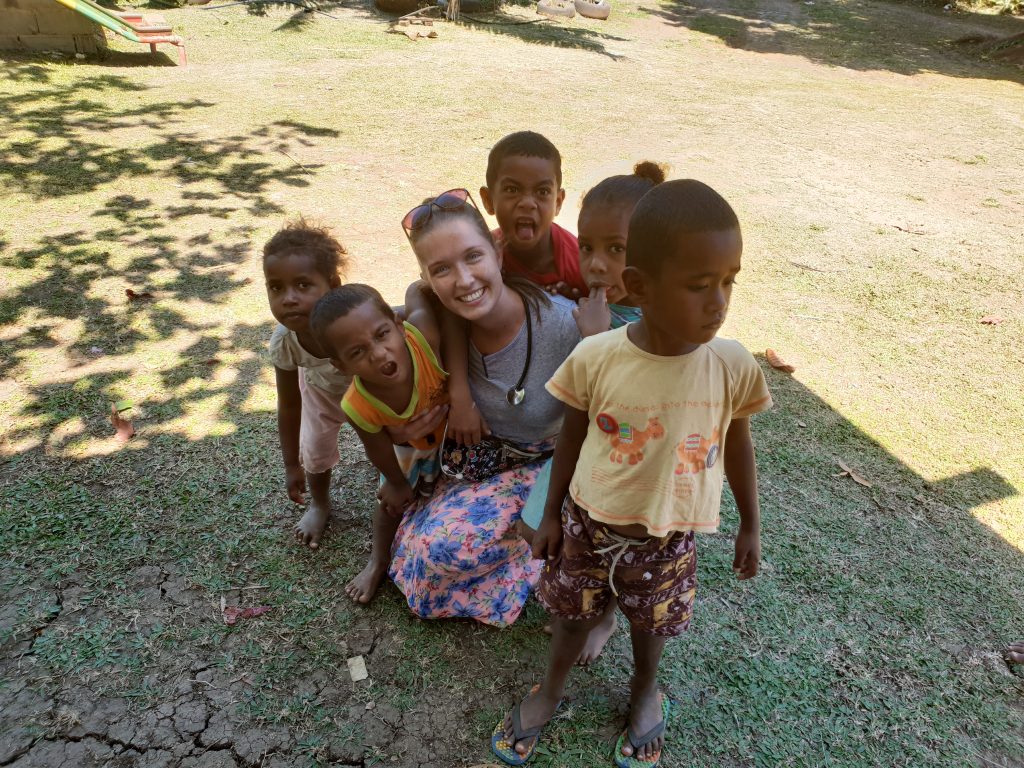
(524, 192)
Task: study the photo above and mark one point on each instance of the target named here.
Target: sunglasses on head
(452, 200)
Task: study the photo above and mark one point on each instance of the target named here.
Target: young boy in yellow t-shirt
(656, 412)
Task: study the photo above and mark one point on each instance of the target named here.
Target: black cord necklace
(517, 394)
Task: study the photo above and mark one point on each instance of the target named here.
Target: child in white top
(301, 263)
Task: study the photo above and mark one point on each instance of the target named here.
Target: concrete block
(45, 25)
(55, 19)
(66, 43)
(15, 21)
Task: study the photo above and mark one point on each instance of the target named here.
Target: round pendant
(515, 396)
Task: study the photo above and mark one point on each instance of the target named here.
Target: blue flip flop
(506, 750)
(640, 741)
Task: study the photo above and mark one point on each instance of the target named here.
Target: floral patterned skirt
(457, 553)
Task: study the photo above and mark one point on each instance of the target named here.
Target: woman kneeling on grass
(457, 554)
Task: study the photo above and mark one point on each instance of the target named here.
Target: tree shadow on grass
(891, 598)
(855, 34)
(163, 57)
(545, 32)
(65, 152)
(66, 292)
(871, 634)
(490, 18)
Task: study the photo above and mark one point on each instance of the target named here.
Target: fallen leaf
(777, 362)
(991, 320)
(852, 474)
(233, 613)
(122, 427)
(357, 668)
(135, 296)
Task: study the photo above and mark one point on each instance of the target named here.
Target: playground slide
(139, 28)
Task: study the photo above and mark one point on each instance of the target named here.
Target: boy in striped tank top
(396, 375)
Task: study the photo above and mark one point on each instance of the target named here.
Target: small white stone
(357, 668)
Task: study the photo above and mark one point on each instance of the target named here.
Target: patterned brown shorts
(656, 579)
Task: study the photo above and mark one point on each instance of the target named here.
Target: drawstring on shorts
(620, 546)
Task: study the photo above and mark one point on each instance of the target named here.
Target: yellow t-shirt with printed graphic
(653, 454)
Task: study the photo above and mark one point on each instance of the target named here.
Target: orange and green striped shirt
(428, 389)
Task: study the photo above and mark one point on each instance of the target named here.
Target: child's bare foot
(598, 637)
(1014, 653)
(365, 585)
(311, 525)
(645, 713)
(534, 711)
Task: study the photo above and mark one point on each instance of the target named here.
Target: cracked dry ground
(185, 709)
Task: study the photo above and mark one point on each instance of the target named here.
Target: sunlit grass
(872, 634)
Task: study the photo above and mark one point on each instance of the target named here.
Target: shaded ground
(876, 169)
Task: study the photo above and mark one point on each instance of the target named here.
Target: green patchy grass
(876, 240)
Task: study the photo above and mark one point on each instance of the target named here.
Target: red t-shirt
(566, 252)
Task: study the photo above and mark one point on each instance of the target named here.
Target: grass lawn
(876, 168)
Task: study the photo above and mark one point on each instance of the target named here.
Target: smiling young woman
(457, 554)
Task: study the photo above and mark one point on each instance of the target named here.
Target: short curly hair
(522, 144)
(626, 189)
(669, 210)
(338, 303)
(300, 236)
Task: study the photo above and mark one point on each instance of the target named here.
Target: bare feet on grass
(536, 709)
(1014, 653)
(310, 528)
(365, 585)
(644, 714)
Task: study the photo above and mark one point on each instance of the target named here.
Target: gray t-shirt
(539, 416)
